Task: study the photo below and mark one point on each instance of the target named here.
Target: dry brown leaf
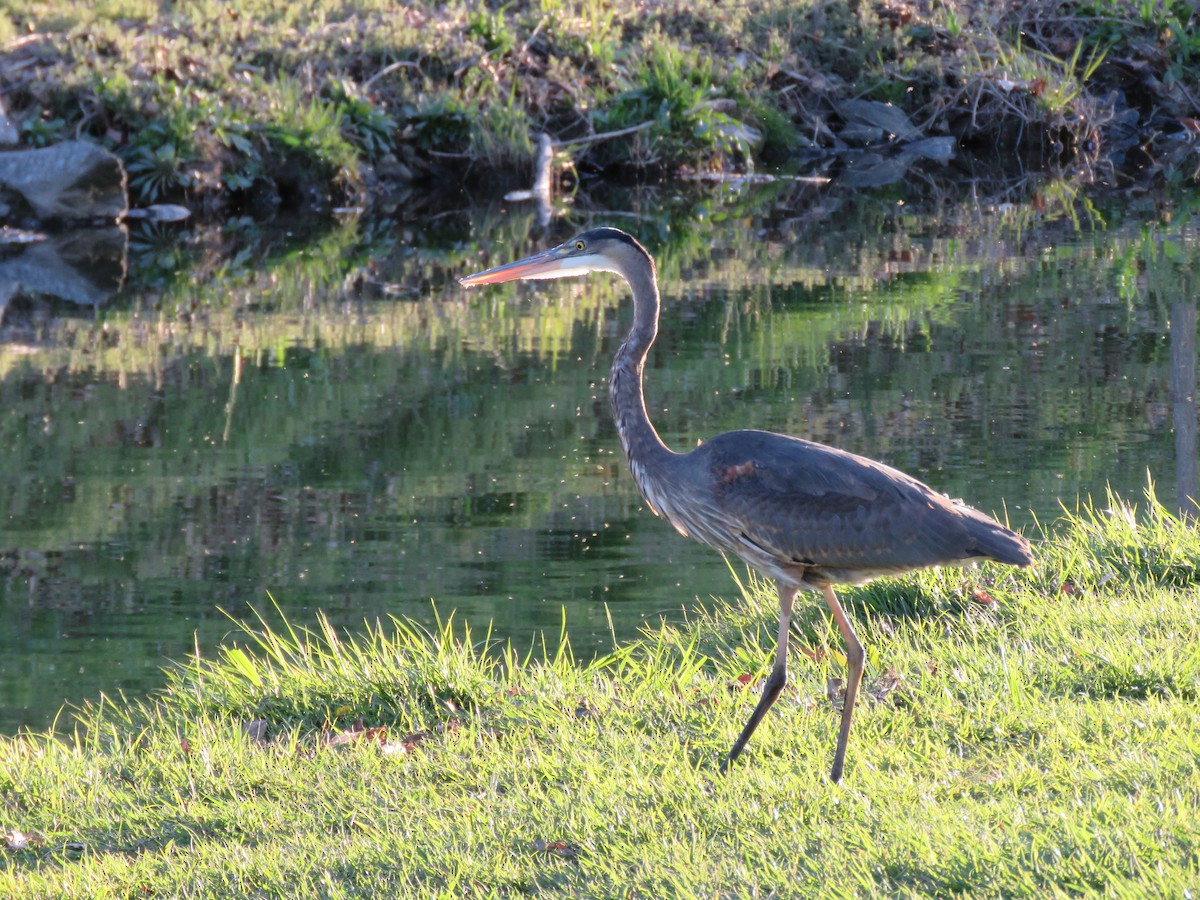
(358, 733)
(405, 745)
(982, 597)
(561, 849)
(342, 738)
(884, 686)
(23, 840)
(817, 655)
(833, 689)
(414, 740)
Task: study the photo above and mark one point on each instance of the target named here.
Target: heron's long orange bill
(561, 262)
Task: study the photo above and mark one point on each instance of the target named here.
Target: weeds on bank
(252, 92)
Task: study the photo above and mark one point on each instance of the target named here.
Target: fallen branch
(387, 70)
(607, 135)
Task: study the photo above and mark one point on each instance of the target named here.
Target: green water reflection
(328, 418)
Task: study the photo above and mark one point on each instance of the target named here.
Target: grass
(296, 103)
(1026, 733)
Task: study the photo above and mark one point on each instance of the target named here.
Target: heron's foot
(731, 757)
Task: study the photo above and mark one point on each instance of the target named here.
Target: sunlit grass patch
(1122, 540)
(1012, 740)
(319, 679)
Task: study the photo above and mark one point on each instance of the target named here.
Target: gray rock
(69, 182)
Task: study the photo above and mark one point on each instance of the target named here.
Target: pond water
(323, 417)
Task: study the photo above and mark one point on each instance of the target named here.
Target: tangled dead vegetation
(1044, 83)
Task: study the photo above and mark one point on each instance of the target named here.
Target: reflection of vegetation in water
(263, 309)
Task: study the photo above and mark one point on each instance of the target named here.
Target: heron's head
(597, 250)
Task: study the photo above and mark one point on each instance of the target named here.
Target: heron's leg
(854, 670)
(775, 681)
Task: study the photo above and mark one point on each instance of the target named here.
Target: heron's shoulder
(779, 462)
(780, 452)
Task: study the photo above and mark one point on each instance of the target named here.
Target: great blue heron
(804, 514)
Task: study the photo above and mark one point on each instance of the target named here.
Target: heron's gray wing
(813, 505)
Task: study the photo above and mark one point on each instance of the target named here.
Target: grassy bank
(322, 102)
(1028, 733)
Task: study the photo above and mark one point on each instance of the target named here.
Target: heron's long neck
(643, 447)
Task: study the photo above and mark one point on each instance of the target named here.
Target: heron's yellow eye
(579, 245)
